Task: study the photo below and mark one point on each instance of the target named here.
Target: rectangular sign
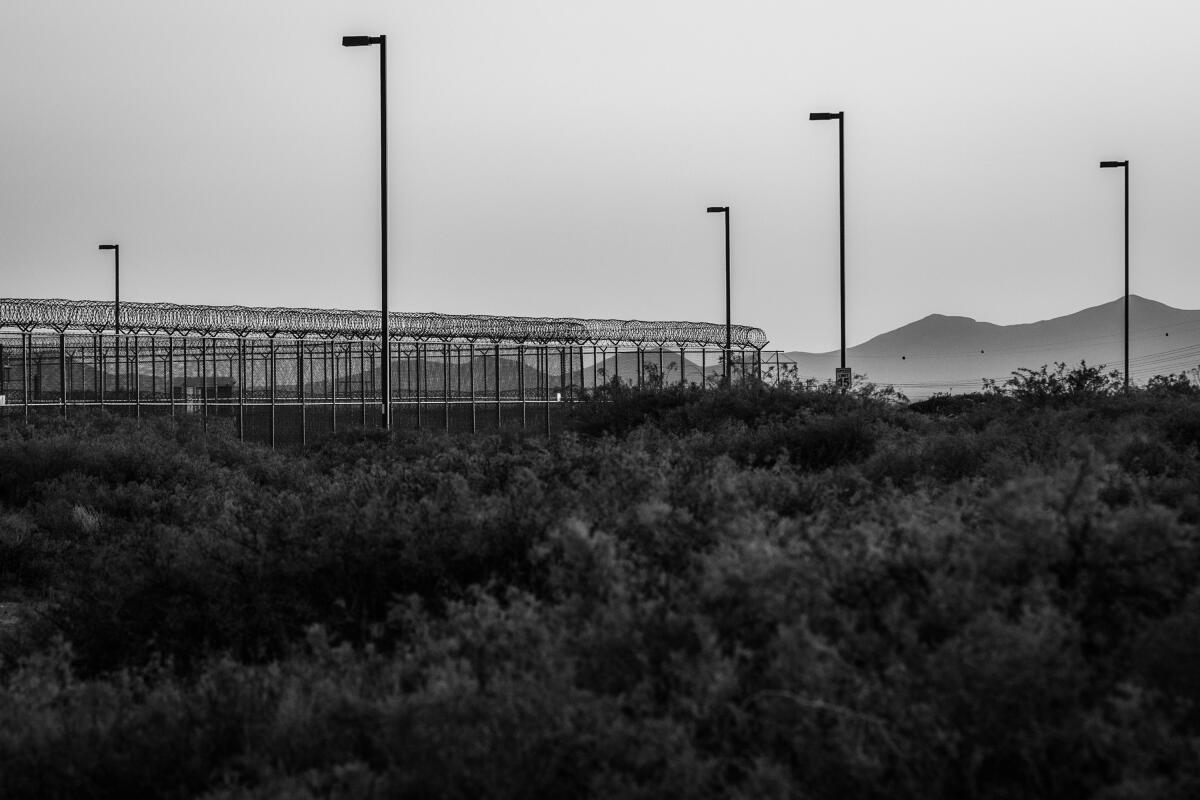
(842, 377)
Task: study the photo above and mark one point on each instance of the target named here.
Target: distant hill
(625, 366)
(943, 354)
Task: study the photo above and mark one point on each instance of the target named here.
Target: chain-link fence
(287, 386)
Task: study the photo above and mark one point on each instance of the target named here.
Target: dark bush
(1147, 456)
(1168, 656)
(1042, 386)
(752, 593)
(1173, 384)
(1181, 428)
(955, 455)
(829, 441)
(949, 405)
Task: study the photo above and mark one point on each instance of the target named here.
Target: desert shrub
(24, 560)
(828, 441)
(954, 455)
(618, 408)
(813, 442)
(203, 556)
(1149, 456)
(745, 595)
(898, 462)
(1184, 383)
(1045, 386)
(1168, 658)
(680, 410)
(1181, 427)
(480, 703)
(948, 405)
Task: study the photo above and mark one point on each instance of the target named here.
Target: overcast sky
(555, 157)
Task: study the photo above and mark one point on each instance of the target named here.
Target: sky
(555, 157)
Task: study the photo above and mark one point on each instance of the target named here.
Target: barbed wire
(96, 316)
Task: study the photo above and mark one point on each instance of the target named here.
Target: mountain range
(954, 354)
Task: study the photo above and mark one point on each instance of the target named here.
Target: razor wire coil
(169, 318)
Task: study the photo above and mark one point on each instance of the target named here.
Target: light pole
(116, 248)
(363, 41)
(728, 326)
(842, 376)
(1125, 164)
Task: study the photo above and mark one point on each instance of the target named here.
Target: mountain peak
(925, 332)
(941, 352)
(946, 317)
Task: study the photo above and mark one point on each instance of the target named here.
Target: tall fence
(290, 375)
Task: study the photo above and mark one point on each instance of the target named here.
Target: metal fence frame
(287, 374)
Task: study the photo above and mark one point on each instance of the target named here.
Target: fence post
(471, 377)
(362, 379)
(153, 369)
(204, 382)
(271, 357)
(331, 379)
(98, 367)
(241, 341)
(136, 374)
(62, 369)
(546, 372)
(171, 373)
(420, 373)
(26, 365)
(300, 391)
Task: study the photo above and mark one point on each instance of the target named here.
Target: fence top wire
(96, 316)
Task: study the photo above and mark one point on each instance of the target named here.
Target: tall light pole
(116, 248)
(363, 41)
(728, 325)
(1125, 164)
(843, 374)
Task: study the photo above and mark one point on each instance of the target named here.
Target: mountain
(943, 354)
(625, 367)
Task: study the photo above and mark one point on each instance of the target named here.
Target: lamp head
(1114, 164)
(109, 246)
(717, 209)
(825, 115)
(359, 41)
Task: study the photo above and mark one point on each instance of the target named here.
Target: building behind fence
(289, 375)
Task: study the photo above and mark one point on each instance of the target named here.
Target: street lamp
(116, 248)
(1125, 164)
(363, 41)
(842, 375)
(728, 327)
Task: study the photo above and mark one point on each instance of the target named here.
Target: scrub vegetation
(756, 593)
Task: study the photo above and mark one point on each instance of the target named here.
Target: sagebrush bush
(746, 593)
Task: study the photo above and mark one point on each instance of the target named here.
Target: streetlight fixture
(1125, 164)
(116, 248)
(364, 41)
(842, 376)
(728, 326)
